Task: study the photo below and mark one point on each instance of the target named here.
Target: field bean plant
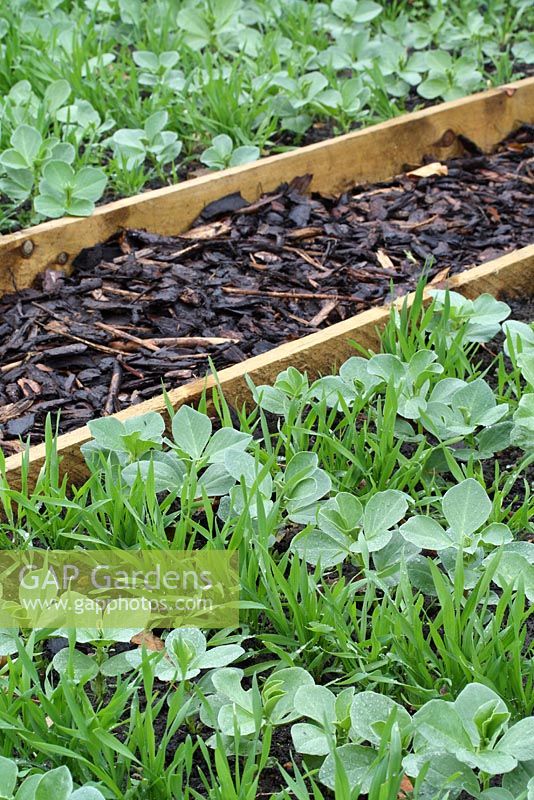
(383, 518)
(103, 98)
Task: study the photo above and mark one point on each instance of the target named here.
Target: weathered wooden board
(374, 154)
(317, 353)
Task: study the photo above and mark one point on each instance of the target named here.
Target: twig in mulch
(193, 341)
(323, 314)
(136, 372)
(155, 343)
(61, 330)
(114, 388)
(288, 295)
(306, 257)
(128, 336)
(14, 364)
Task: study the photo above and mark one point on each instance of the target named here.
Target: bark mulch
(146, 310)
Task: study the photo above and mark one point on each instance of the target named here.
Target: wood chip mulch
(146, 310)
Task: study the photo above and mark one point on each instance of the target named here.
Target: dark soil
(142, 311)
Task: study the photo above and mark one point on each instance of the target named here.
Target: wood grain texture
(374, 154)
(316, 354)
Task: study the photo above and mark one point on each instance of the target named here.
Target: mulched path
(147, 310)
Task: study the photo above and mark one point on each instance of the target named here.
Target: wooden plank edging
(316, 353)
(373, 154)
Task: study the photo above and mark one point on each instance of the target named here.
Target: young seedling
(57, 784)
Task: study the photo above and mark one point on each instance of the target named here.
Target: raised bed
(371, 155)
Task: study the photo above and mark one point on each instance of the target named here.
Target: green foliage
(64, 191)
(449, 78)
(56, 783)
(128, 440)
(184, 657)
(386, 570)
(466, 508)
(139, 89)
(522, 433)
(235, 711)
(478, 320)
(474, 729)
(458, 408)
(344, 527)
(222, 153)
(132, 147)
